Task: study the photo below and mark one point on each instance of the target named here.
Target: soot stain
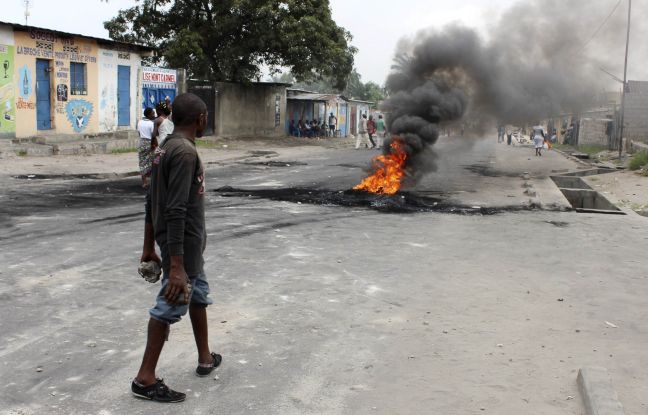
(558, 224)
(262, 153)
(348, 166)
(402, 202)
(275, 163)
(88, 176)
(487, 171)
(73, 195)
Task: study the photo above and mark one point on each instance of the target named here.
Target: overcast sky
(376, 25)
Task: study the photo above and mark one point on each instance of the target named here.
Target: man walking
(362, 134)
(175, 219)
(382, 131)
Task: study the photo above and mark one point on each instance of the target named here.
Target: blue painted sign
(25, 84)
(78, 113)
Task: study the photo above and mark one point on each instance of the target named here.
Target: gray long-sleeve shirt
(175, 203)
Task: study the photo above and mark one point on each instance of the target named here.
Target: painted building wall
(7, 88)
(250, 110)
(343, 119)
(109, 61)
(91, 110)
(69, 113)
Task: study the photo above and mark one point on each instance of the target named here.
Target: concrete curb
(597, 392)
(572, 158)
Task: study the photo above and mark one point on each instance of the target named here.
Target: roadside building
(636, 111)
(255, 109)
(54, 83)
(307, 105)
(235, 109)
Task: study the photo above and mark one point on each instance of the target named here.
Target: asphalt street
(327, 302)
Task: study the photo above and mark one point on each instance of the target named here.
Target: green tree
(231, 40)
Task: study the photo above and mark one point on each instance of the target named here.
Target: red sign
(159, 76)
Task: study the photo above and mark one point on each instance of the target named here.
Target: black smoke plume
(536, 63)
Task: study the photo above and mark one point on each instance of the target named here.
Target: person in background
(167, 101)
(315, 128)
(332, 124)
(509, 137)
(300, 128)
(382, 131)
(371, 130)
(292, 128)
(165, 127)
(362, 133)
(145, 152)
(162, 112)
(538, 140)
(308, 132)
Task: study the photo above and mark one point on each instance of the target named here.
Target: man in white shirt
(362, 134)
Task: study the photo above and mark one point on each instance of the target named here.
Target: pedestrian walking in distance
(362, 134)
(538, 140)
(371, 130)
(175, 219)
(382, 130)
(500, 134)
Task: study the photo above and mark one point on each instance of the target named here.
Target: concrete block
(597, 392)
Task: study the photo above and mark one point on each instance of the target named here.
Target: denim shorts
(199, 296)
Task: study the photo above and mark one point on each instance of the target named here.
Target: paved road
(328, 309)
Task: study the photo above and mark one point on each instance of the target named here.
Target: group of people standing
(308, 128)
(153, 130)
(370, 128)
(313, 128)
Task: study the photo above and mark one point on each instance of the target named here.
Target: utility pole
(625, 81)
(26, 11)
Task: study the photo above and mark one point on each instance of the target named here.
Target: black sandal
(158, 392)
(206, 370)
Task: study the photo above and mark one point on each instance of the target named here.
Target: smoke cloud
(537, 61)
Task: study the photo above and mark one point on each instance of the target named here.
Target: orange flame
(388, 171)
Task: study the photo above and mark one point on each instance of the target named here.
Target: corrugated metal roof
(316, 97)
(67, 34)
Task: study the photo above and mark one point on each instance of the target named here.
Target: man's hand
(177, 283)
(150, 256)
(148, 249)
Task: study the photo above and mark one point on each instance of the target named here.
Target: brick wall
(593, 131)
(636, 111)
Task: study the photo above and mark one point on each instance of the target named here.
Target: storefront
(157, 85)
(56, 83)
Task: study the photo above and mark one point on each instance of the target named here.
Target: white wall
(107, 108)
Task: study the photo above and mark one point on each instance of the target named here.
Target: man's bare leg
(157, 334)
(198, 316)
